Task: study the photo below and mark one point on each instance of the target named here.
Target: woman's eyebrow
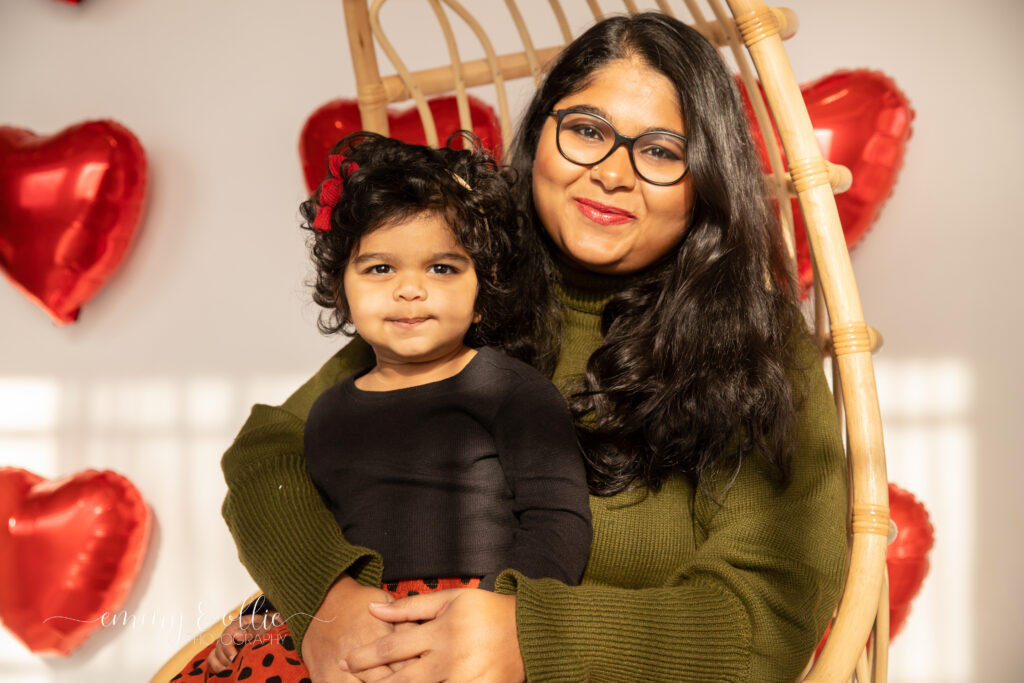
(591, 109)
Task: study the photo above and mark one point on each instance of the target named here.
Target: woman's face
(604, 218)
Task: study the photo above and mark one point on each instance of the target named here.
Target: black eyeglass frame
(619, 140)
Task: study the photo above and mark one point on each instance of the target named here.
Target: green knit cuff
(596, 633)
(361, 564)
(298, 575)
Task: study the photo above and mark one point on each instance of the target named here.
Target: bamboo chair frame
(840, 330)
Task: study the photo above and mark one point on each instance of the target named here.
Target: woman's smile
(602, 213)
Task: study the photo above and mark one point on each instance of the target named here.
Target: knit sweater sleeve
(749, 604)
(285, 535)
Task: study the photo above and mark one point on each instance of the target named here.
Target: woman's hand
(238, 632)
(343, 623)
(468, 635)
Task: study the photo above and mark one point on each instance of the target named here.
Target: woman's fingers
(473, 638)
(419, 670)
(377, 673)
(402, 626)
(342, 623)
(399, 646)
(417, 607)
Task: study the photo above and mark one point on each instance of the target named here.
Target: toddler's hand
(237, 633)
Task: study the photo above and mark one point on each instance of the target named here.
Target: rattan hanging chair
(752, 35)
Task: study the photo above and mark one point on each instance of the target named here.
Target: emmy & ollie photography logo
(260, 623)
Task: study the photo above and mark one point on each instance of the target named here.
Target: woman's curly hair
(387, 182)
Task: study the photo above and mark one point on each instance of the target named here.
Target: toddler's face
(411, 291)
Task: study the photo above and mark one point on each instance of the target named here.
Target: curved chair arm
(850, 340)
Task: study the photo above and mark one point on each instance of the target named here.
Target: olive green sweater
(677, 588)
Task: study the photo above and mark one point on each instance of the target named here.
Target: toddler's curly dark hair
(388, 182)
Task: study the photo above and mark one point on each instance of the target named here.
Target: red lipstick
(602, 213)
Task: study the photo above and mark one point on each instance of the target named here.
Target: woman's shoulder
(803, 362)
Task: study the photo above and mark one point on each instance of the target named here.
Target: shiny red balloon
(907, 558)
(863, 121)
(69, 207)
(337, 118)
(69, 554)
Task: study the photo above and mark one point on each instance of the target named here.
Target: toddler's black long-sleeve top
(466, 476)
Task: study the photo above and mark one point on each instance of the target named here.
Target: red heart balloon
(907, 558)
(69, 206)
(69, 554)
(862, 121)
(337, 118)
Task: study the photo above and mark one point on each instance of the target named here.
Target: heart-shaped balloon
(69, 554)
(337, 118)
(907, 558)
(862, 121)
(69, 207)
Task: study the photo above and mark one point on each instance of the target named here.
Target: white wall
(209, 313)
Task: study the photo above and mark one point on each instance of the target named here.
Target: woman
(714, 456)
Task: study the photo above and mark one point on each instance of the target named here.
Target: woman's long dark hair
(692, 374)
(387, 182)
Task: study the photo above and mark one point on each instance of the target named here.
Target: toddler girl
(451, 459)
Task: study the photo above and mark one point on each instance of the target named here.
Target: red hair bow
(330, 191)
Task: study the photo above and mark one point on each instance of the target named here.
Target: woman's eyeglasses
(659, 157)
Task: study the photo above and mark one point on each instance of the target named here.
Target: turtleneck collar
(589, 292)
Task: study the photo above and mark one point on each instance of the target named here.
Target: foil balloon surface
(337, 118)
(70, 552)
(69, 208)
(907, 557)
(861, 120)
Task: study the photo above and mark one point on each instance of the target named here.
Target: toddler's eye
(442, 269)
(380, 269)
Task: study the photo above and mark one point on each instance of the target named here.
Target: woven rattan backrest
(750, 35)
